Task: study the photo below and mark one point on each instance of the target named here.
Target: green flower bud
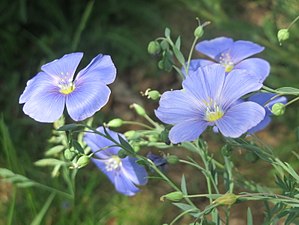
(122, 154)
(228, 199)
(164, 45)
(172, 159)
(173, 196)
(153, 48)
(130, 134)
(115, 122)
(198, 32)
(82, 161)
(283, 35)
(68, 154)
(139, 109)
(278, 109)
(152, 94)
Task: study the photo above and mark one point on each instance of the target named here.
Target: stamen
(225, 60)
(65, 84)
(113, 163)
(213, 112)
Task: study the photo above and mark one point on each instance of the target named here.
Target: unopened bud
(198, 32)
(152, 94)
(164, 45)
(153, 48)
(283, 35)
(173, 196)
(172, 159)
(115, 122)
(122, 154)
(130, 134)
(278, 109)
(82, 161)
(68, 154)
(139, 109)
(228, 199)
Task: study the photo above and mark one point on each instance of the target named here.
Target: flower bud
(278, 109)
(283, 35)
(115, 122)
(130, 134)
(228, 199)
(152, 94)
(139, 109)
(153, 48)
(172, 159)
(122, 154)
(164, 45)
(198, 32)
(82, 161)
(68, 154)
(173, 196)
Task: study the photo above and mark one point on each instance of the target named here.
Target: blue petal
(213, 48)
(133, 171)
(263, 124)
(237, 84)
(196, 63)
(45, 105)
(240, 118)
(101, 66)
(89, 96)
(124, 185)
(65, 66)
(264, 99)
(242, 49)
(188, 130)
(177, 106)
(256, 67)
(206, 84)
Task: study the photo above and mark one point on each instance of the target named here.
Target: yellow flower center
(67, 89)
(65, 83)
(113, 163)
(225, 60)
(213, 112)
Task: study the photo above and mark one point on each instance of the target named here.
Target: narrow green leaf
(178, 43)
(126, 146)
(178, 54)
(184, 185)
(289, 90)
(70, 127)
(54, 150)
(167, 32)
(77, 146)
(39, 217)
(49, 162)
(249, 217)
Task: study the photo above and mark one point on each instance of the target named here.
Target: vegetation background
(35, 32)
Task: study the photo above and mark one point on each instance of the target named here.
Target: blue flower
(124, 173)
(46, 94)
(264, 99)
(210, 98)
(159, 161)
(232, 55)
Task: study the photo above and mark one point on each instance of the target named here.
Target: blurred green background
(35, 32)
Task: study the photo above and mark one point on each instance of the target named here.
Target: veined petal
(256, 67)
(261, 125)
(46, 105)
(196, 63)
(101, 66)
(133, 171)
(177, 106)
(213, 48)
(89, 96)
(64, 67)
(124, 185)
(35, 85)
(264, 99)
(242, 49)
(207, 83)
(237, 84)
(240, 118)
(188, 130)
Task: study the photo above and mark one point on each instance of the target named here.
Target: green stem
(156, 125)
(293, 22)
(292, 101)
(47, 188)
(190, 54)
(139, 124)
(180, 215)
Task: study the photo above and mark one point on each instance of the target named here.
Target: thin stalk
(190, 54)
(180, 215)
(139, 124)
(292, 101)
(293, 22)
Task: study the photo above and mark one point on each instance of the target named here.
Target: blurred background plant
(35, 32)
